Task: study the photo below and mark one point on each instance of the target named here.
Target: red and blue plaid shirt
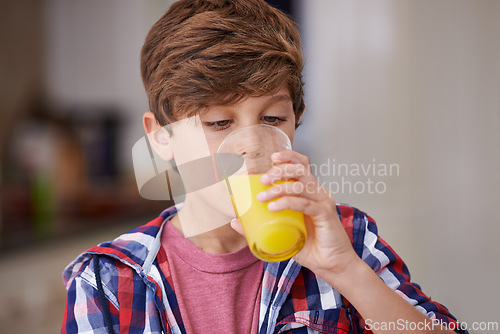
(138, 288)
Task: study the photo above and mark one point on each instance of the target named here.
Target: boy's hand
(327, 248)
(328, 251)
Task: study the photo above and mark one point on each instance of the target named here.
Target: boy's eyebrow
(276, 99)
(270, 101)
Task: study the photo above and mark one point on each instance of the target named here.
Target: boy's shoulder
(134, 248)
(356, 223)
(349, 214)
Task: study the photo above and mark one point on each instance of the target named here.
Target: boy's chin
(217, 197)
(224, 209)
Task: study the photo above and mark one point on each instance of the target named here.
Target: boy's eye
(219, 125)
(226, 123)
(222, 123)
(272, 119)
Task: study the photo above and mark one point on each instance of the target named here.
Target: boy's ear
(158, 136)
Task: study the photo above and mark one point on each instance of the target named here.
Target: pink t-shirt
(217, 293)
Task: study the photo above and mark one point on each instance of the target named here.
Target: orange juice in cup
(271, 236)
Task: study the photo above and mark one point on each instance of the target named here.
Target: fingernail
(275, 155)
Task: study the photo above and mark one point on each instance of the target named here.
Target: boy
(211, 67)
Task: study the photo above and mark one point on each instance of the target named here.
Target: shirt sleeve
(84, 312)
(393, 271)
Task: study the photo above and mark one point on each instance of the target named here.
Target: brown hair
(216, 52)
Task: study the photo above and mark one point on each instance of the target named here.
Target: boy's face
(196, 139)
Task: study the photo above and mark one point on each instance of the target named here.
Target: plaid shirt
(138, 286)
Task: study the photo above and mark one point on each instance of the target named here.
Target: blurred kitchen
(71, 105)
(388, 82)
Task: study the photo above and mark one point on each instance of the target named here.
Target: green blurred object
(43, 206)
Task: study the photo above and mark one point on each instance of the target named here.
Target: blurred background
(402, 121)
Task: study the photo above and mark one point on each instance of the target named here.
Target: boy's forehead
(282, 95)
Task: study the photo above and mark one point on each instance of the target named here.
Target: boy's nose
(253, 151)
(252, 145)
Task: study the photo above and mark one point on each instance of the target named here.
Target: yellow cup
(271, 236)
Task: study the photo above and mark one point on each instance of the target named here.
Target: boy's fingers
(236, 225)
(285, 172)
(304, 205)
(291, 156)
(308, 190)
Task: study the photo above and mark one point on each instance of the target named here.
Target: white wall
(92, 57)
(415, 83)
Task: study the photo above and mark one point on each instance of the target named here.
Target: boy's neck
(221, 240)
